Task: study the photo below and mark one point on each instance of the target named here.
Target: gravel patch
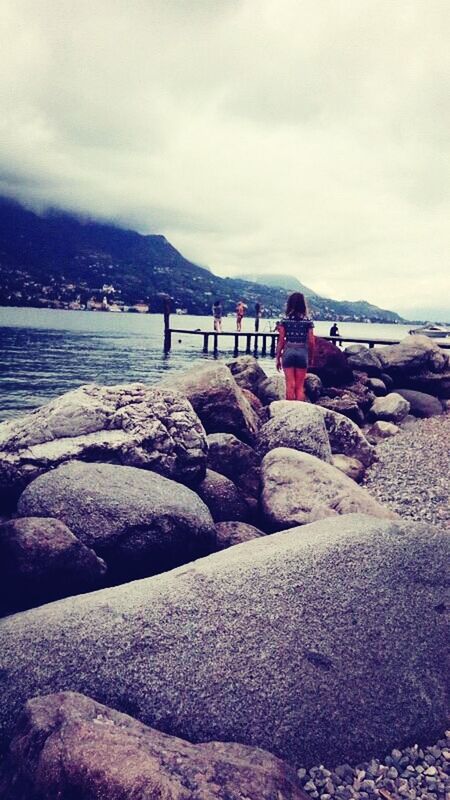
(414, 773)
(411, 476)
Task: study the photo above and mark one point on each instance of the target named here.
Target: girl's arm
(280, 346)
(311, 345)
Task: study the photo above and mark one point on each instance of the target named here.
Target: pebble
(402, 775)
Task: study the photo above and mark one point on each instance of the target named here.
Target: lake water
(44, 352)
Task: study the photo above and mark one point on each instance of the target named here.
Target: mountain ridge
(57, 258)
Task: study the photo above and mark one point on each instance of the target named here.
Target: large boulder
(435, 383)
(346, 405)
(273, 388)
(412, 355)
(235, 459)
(347, 438)
(129, 424)
(298, 488)
(421, 404)
(391, 408)
(68, 746)
(217, 399)
(344, 436)
(295, 424)
(247, 372)
(231, 533)
(330, 364)
(223, 498)
(351, 467)
(42, 560)
(323, 645)
(365, 360)
(139, 522)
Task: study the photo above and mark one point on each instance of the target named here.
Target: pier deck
(255, 342)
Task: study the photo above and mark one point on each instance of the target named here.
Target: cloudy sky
(308, 137)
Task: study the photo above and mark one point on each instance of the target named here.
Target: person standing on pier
(258, 314)
(217, 316)
(240, 311)
(295, 347)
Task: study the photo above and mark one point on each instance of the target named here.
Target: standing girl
(295, 346)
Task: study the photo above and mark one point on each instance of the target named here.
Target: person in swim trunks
(295, 348)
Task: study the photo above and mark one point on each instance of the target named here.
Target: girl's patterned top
(296, 330)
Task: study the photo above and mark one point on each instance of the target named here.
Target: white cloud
(305, 137)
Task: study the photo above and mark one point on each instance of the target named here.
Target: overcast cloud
(308, 137)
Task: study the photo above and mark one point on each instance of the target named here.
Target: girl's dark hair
(296, 306)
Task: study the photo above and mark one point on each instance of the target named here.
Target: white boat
(433, 331)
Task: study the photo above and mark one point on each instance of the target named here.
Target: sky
(300, 137)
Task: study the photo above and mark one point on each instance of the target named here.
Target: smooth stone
(41, 560)
(298, 488)
(251, 644)
(137, 521)
(68, 746)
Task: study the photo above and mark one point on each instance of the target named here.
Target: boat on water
(433, 331)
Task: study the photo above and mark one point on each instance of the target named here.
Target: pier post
(264, 345)
(255, 348)
(205, 342)
(167, 332)
(248, 349)
(273, 344)
(216, 343)
(236, 345)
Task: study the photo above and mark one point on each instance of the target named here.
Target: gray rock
(313, 387)
(436, 384)
(365, 360)
(235, 459)
(381, 430)
(346, 405)
(421, 404)
(68, 746)
(298, 488)
(412, 355)
(377, 386)
(41, 560)
(347, 438)
(351, 467)
(247, 372)
(263, 643)
(217, 399)
(231, 533)
(273, 388)
(297, 425)
(222, 497)
(130, 424)
(343, 434)
(138, 521)
(392, 408)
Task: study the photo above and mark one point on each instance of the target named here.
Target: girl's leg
(289, 374)
(300, 375)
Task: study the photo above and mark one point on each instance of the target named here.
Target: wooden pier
(257, 343)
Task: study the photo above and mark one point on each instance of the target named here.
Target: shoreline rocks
(130, 424)
(139, 522)
(262, 644)
(68, 746)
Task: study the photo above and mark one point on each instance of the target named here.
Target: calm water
(45, 352)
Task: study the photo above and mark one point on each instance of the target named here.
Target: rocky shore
(411, 475)
(209, 591)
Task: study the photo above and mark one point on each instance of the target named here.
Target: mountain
(58, 259)
(282, 281)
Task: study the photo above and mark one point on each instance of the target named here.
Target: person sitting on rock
(295, 346)
(334, 330)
